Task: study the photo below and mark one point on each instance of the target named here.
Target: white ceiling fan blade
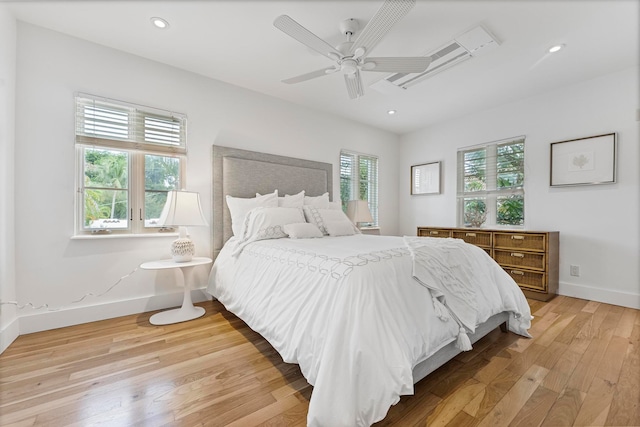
(388, 14)
(354, 85)
(290, 27)
(407, 64)
(311, 75)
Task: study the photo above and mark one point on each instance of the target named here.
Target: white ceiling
(236, 42)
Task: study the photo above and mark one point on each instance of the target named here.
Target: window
(129, 157)
(359, 181)
(491, 184)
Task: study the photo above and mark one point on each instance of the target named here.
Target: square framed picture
(583, 161)
(425, 178)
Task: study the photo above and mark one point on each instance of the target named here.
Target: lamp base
(182, 249)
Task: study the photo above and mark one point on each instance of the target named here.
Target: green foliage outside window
(106, 182)
(161, 174)
(510, 210)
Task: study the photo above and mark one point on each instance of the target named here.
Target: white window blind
(491, 183)
(359, 180)
(111, 123)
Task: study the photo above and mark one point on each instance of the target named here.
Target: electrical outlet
(574, 270)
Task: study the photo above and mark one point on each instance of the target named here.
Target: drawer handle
(517, 237)
(520, 273)
(433, 232)
(516, 254)
(470, 234)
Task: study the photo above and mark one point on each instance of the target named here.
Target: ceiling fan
(351, 57)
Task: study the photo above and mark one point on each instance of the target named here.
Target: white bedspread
(348, 311)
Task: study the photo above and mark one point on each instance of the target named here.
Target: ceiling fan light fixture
(160, 23)
(349, 67)
(359, 52)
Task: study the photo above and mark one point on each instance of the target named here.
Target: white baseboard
(624, 299)
(9, 334)
(46, 320)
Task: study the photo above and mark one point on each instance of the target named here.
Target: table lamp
(183, 210)
(358, 212)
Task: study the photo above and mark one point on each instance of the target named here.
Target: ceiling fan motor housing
(348, 27)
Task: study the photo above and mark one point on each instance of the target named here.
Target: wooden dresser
(530, 257)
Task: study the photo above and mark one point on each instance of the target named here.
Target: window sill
(120, 236)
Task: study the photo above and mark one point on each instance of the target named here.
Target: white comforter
(349, 312)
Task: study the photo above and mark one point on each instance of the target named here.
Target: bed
(364, 316)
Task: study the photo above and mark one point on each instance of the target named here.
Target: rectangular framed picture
(425, 178)
(584, 161)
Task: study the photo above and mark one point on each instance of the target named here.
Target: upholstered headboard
(242, 173)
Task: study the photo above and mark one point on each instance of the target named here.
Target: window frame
(354, 191)
(491, 194)
(137, 147)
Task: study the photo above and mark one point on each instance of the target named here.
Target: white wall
(598, 225)
(51, 267)
(8, 316)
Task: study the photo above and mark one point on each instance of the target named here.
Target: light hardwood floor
(581, 368)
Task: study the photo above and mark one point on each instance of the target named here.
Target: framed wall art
(425, 178)
(583, 161)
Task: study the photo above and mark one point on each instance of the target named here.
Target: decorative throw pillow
(339, 228)
(335, 206)
(267, 223)
(320, 217)
(320, 202)
(302, 230)
(238, 207)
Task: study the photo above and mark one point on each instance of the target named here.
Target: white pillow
(320, 202)
(293, 201)
(339, 228)
(238, 207)
(320, 217)
(302, 230)
(267, 223)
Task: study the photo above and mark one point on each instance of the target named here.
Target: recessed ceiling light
(391, 112)
(159, 23)
(556, 48)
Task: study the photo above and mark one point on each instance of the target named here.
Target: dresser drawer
(521, 241)
(529, 260)
(434, 232)
(478, 238)
(532, 280)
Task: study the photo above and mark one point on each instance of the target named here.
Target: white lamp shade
(358, 211)
(182, 209)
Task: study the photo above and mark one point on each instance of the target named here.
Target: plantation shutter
(117, 124)
(369, 183)
(359, 180)
(490, 168)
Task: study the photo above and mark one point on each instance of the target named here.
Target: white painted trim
(46, 320)
(9, 334)
(608, 296)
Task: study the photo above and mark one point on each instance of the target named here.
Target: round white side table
(188, 311)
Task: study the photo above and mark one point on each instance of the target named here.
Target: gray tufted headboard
(242, 173)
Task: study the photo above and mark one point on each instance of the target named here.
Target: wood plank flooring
(582, 368)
